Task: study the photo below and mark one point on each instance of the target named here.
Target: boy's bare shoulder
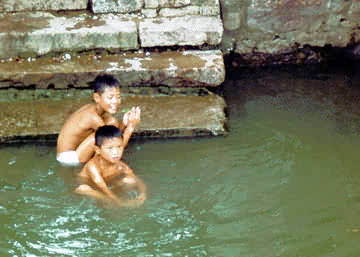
(86, 115)
(89, 167)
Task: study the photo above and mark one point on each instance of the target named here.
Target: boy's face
(109, 100)
(112, 149)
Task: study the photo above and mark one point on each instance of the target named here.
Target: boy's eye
(113, 97)
(112, 148)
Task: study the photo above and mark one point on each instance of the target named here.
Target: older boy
(106, 173)
(76, 138)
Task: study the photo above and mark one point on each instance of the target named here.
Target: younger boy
(105, 173)
(76, 138)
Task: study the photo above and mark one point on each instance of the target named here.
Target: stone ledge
(162, 116)
(39, 33)
(173, 69)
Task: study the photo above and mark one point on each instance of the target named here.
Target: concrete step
(38, 33)
(36, 115)
(173, 69)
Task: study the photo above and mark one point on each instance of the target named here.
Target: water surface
(284, 182)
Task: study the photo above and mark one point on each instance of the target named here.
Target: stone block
(275, 28)
(190, 10)
(209, 10)
(188, 30)
(152, 4)
(176, 12)
(202, 8)
(116, 6)
(177, 3)
(166, 3)
(34, 34)
(171, 69)
(149, 13)
(232, 20)
(41, 5)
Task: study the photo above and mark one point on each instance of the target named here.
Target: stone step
(38, 33)
(173, 69)
(36, 115)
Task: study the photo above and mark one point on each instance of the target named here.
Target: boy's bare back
(79, 126)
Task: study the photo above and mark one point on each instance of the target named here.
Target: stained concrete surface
(39, 118)
(174, 68)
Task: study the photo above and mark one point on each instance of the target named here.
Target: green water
(284, 182)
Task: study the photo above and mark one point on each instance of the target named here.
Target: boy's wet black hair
(106, 132)
(104, 81)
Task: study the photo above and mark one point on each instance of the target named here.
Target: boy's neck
(100, 111)
(102, 162)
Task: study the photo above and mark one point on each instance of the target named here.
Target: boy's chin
(116, 159)
(112, 111)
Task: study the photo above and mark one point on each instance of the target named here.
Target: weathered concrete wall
(257, 29)
(260, 31)
(115, 25)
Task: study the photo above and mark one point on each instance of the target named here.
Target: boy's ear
(96, 97)
(97, 149)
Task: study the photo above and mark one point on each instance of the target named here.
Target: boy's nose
(117, 151)
(116, 101)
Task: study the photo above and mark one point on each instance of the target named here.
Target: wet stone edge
(13, 94)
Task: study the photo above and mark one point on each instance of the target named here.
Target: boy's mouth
(113, 108)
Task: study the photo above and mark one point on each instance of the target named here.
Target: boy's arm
(100, 183)
(142, 189)
(98, 180)
(139, 183)
(129, 123)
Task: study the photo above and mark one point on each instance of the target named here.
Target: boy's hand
(132, 203)
(132, 117)
(142, 197)
(126, 118)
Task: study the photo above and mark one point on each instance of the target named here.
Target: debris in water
(12, 161)
(67, 57)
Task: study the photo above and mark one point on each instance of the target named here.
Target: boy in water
(106, 174)
(76, 138)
